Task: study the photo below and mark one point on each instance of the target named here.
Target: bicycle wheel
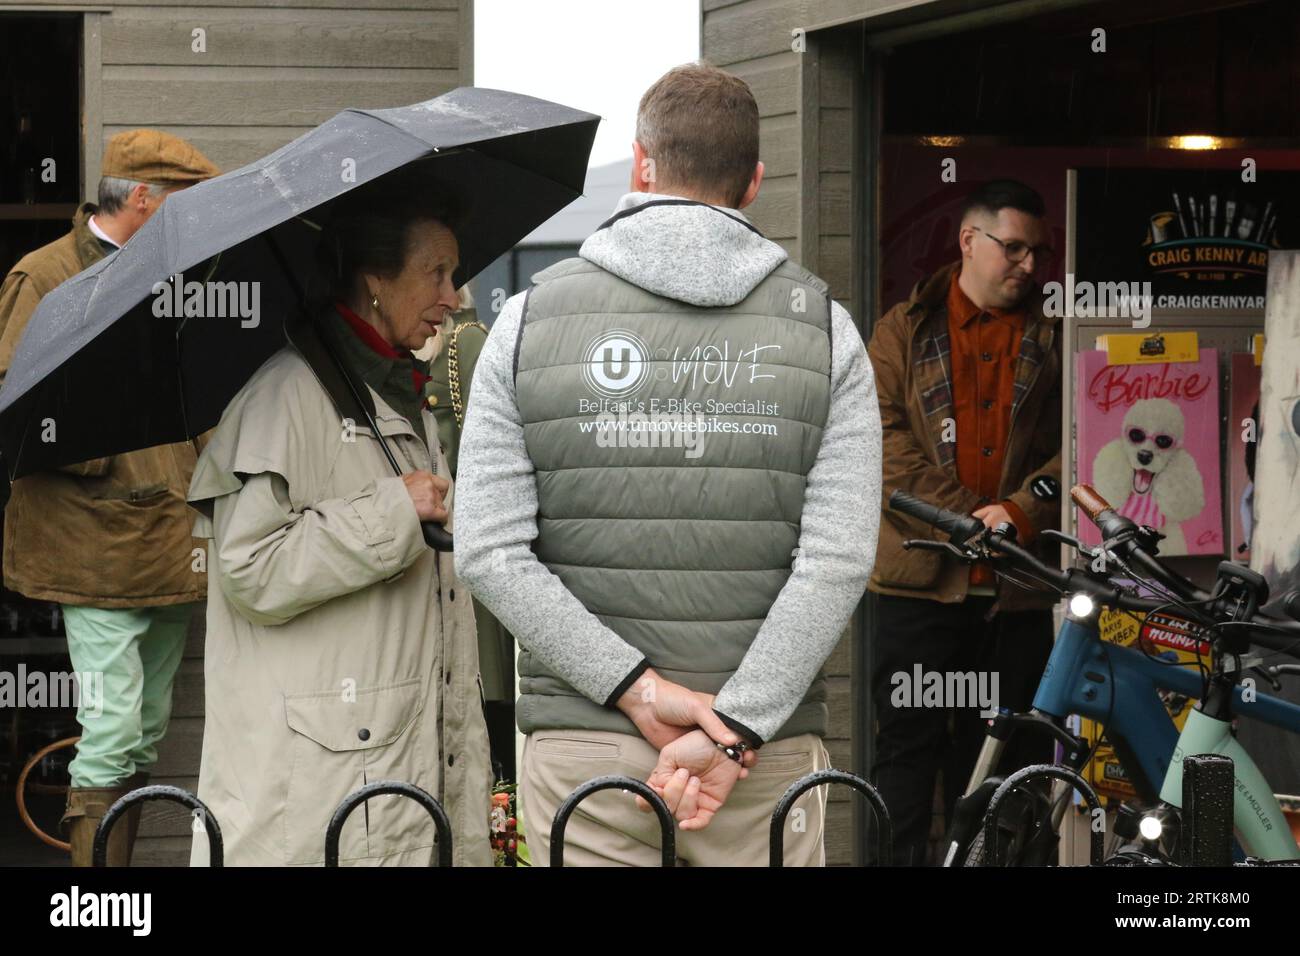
(1025, 837)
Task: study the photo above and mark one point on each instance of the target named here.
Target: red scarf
(367, 334)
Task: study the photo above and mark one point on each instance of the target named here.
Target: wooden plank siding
(268, 75)
(270, 72)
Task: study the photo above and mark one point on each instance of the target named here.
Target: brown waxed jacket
(110, 532)
(909, 353)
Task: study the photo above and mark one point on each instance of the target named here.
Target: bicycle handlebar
(1087, 498)
(962, 528)
(959, 527)
(1122, 534)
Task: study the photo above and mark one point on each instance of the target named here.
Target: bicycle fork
(968, 815)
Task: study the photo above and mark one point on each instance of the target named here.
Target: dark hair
(369, 229)
(700, 126)
(998, 194)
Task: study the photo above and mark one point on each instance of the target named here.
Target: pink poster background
(1244, 386)
(1106, 394)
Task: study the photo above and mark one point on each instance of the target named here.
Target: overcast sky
(594, 55)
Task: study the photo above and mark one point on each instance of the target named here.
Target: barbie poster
(1149, 443)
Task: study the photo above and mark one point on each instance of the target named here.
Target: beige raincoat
(341, 650)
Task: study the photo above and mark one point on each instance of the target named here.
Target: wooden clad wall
(269, 73)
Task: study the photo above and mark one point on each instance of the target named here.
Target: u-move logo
(616, 363)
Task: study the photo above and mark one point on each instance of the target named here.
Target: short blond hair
(700, 126)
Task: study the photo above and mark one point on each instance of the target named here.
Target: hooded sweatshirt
(707, 257)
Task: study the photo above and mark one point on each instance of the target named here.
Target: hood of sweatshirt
(685, 250)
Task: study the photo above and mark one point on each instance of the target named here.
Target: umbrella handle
(436, 536)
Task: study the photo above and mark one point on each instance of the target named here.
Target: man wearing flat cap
(109, 539)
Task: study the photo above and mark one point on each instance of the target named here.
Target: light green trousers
(137, 651)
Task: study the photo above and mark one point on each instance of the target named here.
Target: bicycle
(1119, 687)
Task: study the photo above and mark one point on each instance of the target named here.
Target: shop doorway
(40, 186)
(1032, 91)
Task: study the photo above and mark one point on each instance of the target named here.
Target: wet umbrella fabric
(106, 366)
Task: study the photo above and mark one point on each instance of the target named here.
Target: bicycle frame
(1119, 687)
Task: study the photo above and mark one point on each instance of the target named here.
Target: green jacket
(464, 341)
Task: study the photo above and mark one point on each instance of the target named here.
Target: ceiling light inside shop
(1195, 142)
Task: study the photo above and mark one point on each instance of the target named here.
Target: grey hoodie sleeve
(496, 523)
(837, 548)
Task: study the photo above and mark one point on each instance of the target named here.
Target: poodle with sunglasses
(1148, 475)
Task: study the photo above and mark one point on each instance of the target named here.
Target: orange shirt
(983, 346)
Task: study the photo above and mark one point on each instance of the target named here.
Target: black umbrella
(102, 368)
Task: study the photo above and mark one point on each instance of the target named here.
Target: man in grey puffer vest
(669, 480)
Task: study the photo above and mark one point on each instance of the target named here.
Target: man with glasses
(968, 374)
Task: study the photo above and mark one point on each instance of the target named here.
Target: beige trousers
(608, 830)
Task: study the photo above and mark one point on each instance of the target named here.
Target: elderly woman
(340, 649)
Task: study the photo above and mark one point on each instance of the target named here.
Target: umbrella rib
(447, 150)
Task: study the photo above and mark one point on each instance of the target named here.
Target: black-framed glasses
(1017, 251)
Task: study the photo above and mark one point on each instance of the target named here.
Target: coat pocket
(344, 739)
(577, 747)
(897, 567)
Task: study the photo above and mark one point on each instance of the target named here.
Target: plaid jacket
(910, 356)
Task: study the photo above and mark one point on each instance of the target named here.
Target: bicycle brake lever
(1087, 552)
(1266, 673)
(1054, 535)
(952, 549)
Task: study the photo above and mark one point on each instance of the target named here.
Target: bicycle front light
(1150, 827)
(1081, 605)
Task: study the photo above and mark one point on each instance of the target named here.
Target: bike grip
(940, 518)
(1087, 498)
(436, 536)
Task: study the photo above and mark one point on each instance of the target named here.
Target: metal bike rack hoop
(614, 782)
(884, 825)
(157, 792)
(381, 788)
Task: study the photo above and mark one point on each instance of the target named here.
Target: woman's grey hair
(113, 192)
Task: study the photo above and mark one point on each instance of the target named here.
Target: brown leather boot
(86, 808)
(132, 822)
